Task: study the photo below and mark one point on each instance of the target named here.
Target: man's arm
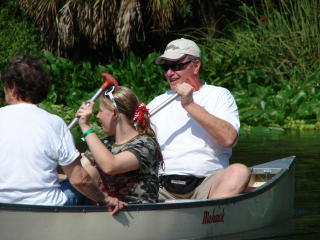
(82, 181)
(219, 129)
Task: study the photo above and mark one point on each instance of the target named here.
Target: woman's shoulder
(142, 143)
(142, 138)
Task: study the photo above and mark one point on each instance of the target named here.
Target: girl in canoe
(125, 165)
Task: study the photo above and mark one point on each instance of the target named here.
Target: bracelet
(86, 133)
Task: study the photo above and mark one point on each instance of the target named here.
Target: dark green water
(262, 145)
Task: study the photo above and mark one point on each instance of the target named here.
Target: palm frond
(65, 24)
(129, 25)
(162, 12)
(103, 21)
(44, 12)
(65, 21)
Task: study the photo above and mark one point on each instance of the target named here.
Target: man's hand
(185, 90)
(114, 204)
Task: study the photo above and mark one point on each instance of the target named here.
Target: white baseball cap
(177, 49)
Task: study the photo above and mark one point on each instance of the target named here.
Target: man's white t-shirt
(33, 143)
(186, 147)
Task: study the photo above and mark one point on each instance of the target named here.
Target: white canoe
(269, 202)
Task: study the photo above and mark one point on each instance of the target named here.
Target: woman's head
(26, 76)
(123, 100)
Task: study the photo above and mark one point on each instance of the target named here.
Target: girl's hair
(128, 104)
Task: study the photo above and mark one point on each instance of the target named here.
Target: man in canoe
(34, 142)
(196, 131)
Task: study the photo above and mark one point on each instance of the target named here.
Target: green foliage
(143, 76)
(270, 62)
(73, 83)
(284, 38)
(16, 34)
(263, 105)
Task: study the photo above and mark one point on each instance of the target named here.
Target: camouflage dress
(138, 186)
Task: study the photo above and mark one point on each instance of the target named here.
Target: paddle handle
(195, 84)
(163, 104)
(95, 97)
(109, 80)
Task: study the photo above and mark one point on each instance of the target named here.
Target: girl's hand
(84, 113)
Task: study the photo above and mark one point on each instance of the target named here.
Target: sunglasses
(108, 93)
(175, 67)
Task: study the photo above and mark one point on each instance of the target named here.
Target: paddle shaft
(109, 80)
(95, 97)
(163, 104)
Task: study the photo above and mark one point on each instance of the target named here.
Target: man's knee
(239, 170)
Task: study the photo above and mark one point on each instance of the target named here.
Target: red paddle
(110, 80)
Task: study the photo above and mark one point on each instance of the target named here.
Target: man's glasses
(108, 93)
(175, 67)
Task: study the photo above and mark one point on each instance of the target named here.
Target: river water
(262, 145)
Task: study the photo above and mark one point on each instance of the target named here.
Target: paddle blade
(194, 83)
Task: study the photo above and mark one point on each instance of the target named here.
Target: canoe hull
(266, 205)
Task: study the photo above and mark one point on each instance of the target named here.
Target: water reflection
(262, 145)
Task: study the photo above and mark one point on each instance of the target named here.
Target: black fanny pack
(180, 184)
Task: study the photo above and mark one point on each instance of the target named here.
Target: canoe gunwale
(158, 206)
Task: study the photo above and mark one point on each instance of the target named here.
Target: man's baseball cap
(177, 49)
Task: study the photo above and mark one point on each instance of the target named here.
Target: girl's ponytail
(141, 120)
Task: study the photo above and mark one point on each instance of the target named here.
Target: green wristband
(86, 133)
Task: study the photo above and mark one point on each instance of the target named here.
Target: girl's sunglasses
(175, 67)
(108, 93)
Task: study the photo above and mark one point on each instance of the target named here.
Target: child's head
(126, 102)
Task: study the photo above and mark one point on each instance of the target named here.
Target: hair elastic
(139, 115)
